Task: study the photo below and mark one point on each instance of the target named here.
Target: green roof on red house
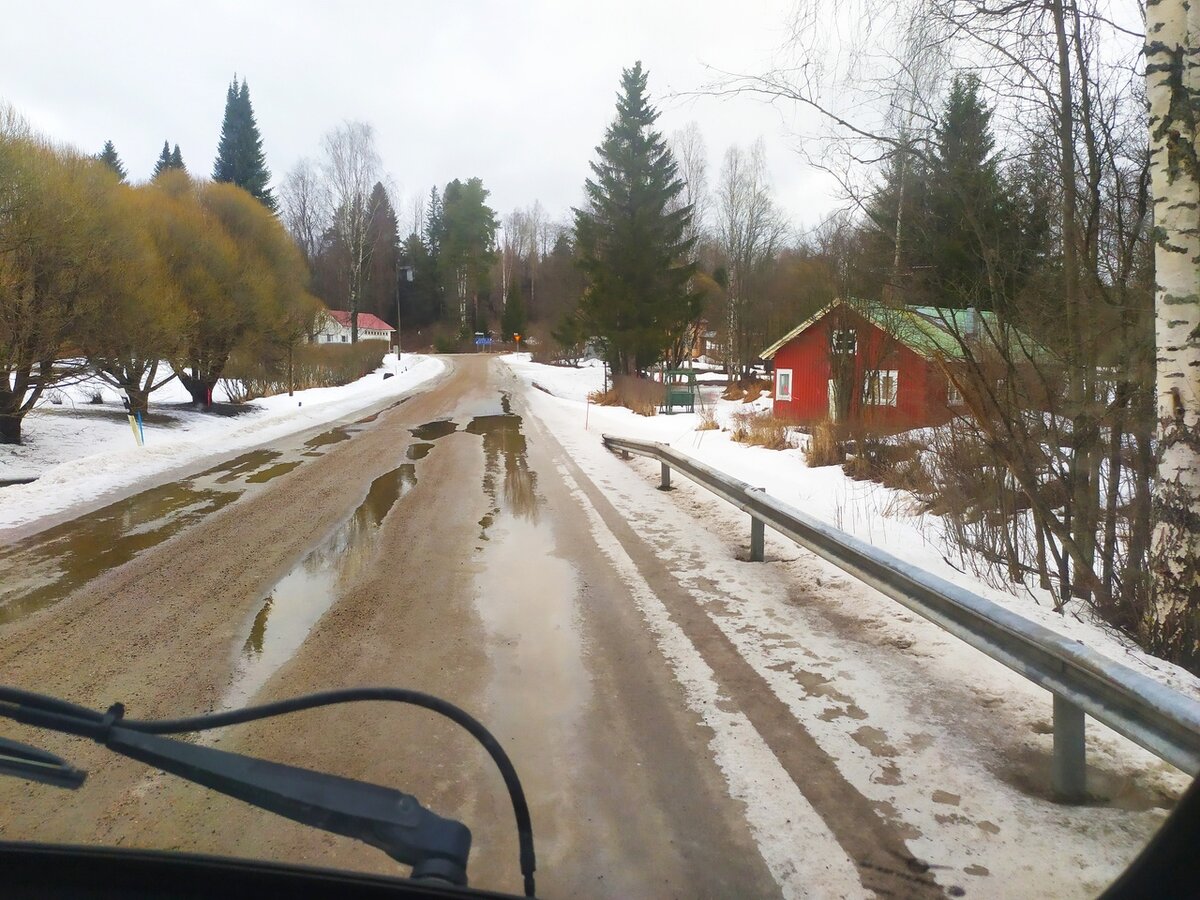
(929, 331)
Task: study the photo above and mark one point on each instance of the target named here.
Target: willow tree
(141, 320)
(53, 247)
(1173, 86)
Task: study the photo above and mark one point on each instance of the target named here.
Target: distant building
(334, 328)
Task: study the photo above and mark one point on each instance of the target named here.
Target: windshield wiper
(23, 761)
(385, 818)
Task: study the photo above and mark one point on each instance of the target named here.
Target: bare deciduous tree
(749, 230)
(304, 207)
(351, 167)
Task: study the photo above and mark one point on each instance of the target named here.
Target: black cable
(50, 712)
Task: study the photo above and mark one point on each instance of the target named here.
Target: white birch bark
(1173, 87)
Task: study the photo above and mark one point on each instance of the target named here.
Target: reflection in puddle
(325, 438)
(239, 466)
(418, 451)
(526, 599)
(504, 458)
(273, 472)
(302, 596)
(431, 431)
(43, 569)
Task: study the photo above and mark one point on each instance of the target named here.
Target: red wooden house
(861, 361)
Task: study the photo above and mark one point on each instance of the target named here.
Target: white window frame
(883, 387)
(780, 375)
(835, 336)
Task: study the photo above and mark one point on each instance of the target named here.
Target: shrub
(825, 449)
(746, 389)
(641, 395)
(759, 429)
(708, 420)
(445, 344)
(95, 396)
(313, 365)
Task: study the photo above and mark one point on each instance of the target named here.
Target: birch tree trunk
(1173, 87)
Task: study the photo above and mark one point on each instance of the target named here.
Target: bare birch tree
(351, 168)
(304, 207)
(750, 228)
(1173, 87)
(688, 145)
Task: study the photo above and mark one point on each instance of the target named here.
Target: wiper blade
(22, 761)
(391, 820)
(388, 819)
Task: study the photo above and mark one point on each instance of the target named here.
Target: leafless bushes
(708, 419)
(824, 449)
(640, 395)
(312, 366)
(746, 389)
(759, 429)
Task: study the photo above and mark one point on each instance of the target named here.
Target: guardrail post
(666, 478)
(1069, 770)
(756, 539)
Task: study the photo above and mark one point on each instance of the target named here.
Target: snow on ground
(951, 747)
(78, 451)
(881, 516)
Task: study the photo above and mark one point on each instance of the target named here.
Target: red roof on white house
(365, 320)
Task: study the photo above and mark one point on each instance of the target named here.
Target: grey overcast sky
(516, 93)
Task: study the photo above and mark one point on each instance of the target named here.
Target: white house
(334, 328)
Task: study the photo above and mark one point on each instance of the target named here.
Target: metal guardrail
(1164, 721)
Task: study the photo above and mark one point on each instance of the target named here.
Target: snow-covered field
(78, 451)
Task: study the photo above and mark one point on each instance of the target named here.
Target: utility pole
(403, 273)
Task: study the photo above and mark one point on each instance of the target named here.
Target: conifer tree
(240, 158)
(164, 160)
(168, 159)
(109, 157)
(631, 238)
(512, 320)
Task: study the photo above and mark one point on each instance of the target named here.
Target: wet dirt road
(442, 548)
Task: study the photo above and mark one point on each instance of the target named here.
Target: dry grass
(759, 429)
(746, 390)
(708, 420)
(824, 449)
(640, 395)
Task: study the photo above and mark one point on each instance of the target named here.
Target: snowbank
(881, 516)
(79, 451)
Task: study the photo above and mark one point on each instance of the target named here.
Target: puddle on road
(431, 431)
(325, 438)
(526, 600)
(273, 472)
(43, 569)
(247, 462)
(418, 451)
(301, 597)
(507, 477)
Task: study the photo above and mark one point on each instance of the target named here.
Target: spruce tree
(164, 160)
(109, 157)
(970, 219)
(631, 241)
(240, 158)
(177, 159)
(512, 320)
